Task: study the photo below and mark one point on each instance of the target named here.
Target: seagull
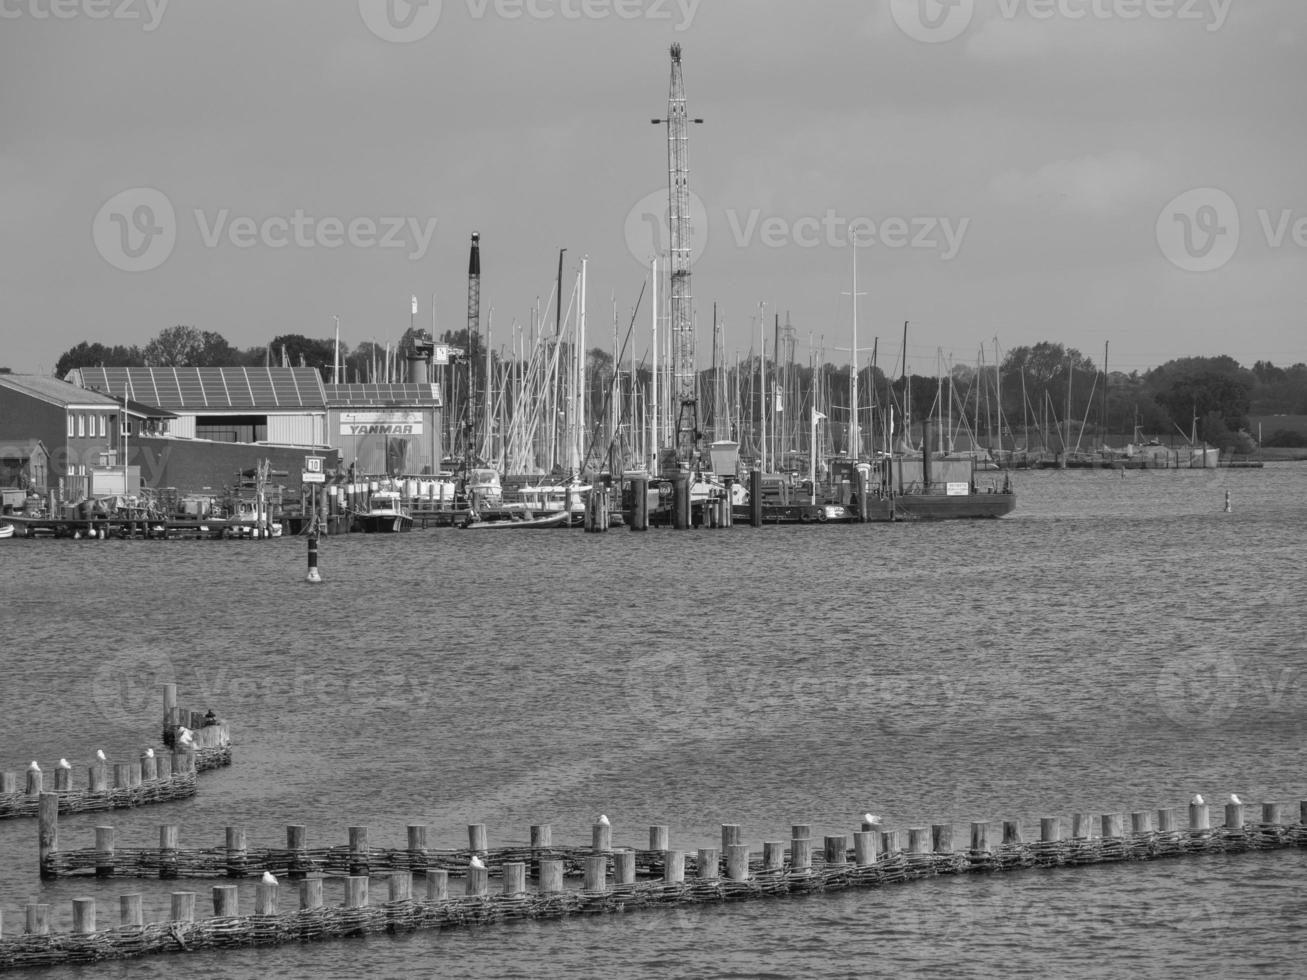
(185, 738)
(149, 753)
(1235, 799)
(476, 862)
(870, 818)
(65, 764)
(269, 878)
(603, 820)
(1197, 800)
(33, 767)
(99, 754)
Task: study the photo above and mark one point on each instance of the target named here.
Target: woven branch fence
(612, 879)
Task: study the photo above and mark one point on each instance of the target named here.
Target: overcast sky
(1081, 171)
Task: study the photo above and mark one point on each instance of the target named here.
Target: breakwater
(612, 878)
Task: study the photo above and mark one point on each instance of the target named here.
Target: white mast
(653, 429)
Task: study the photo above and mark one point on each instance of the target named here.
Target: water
(1116, 644)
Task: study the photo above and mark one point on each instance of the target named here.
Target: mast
(473, 333)
(681, 312)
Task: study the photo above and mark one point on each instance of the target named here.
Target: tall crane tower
(681, 306)
(473, 334)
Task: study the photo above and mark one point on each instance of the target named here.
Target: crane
(473, 334)
(681, 311)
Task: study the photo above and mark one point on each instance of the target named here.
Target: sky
(1120, 175)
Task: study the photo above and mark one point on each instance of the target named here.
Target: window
(81, 423)
(72, 424)
(102, 426)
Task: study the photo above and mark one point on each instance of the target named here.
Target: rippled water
(1116, 644)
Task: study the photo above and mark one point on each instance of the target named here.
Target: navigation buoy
(1227, 502)
(313, 575)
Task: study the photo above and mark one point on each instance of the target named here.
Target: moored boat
(385, 514)
(558, 518)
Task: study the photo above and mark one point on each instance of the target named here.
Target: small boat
(6, 530)
(557, 518)
(385, 514)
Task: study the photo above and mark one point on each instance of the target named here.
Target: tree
(97, 355)
(1215, 391)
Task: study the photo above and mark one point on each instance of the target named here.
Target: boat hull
(559, 518)
(385, 523)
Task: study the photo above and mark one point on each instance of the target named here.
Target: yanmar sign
(381, 423)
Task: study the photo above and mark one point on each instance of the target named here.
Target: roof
(407, 395)
(24, 449)
(143, 410)
(56, 392)
(212, 389)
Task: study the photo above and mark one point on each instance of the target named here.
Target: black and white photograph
(908, 402)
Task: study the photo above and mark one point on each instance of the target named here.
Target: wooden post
(1080, 826)
(63, 779)
(755, 497)
(183, 907)
(478, 881)
(640, 504)
(311, 892)
(624, 866)
(265, 898)
(737, 862)
(1140, 822)
(226, 902)
(918, 840)
(163, 765)
(800, 853)
(551, 876)
(514, 878)
(438, 884)
(134, 775)
(149, 767)
(356, 892)
(542, 839)
(1113, 826)
(168, 842)
(602, 837)
(1271, 814)
(121, 776)
(97, 777)
(836, 850)
(864, 848)
(1050, 829)
(1200, 817)
(941, 838)
(358, 851)
(476, 838)
(596, 873)
(731, 834)
(681, 516)
(47, 830)
(773, 855)
(891, 842)
(236, 852)
(35, 782)
(1234, 816)
(674, 867)
(38, 919)
(400, 885)
(83, 915)
(658, 837)
(1166, 820)
(297, 848)
(1302, 812)
(104, 850)
(417, 846)
(980, 837)
(1012, 832)
(8, 783)
(129, 910)
(169, 707)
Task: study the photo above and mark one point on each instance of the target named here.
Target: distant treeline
(1040, 388)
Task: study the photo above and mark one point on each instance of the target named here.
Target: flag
(817, 415)
(415, 306)
(780, 402)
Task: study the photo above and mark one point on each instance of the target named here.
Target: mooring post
(170, 721)
(104, 844)
(864, 848)
(358, 851)
(478, 881)
(236, 852)
(226, 902)
(709, 859)
(1234, 816)
(47, 831)
(311, 892)
(417, 846)
(737, 862)
(1113, 826)
(296, 850)
(639, 504)
(941, 838)
(1200, 817)
(658, 836)
(168, 842)
(596, 873)
(514, 878)
(97, 777)
(551, 876)
(674, 867)
(477, 842)
(602, 837)
(400, 885)
(35, 782)
(624, 866)
(542, 839)
(755, 498)
(183, 907)
(773, 855)
(800, 854)
(918, 840)
(980, 837)
(38, 919)
(356, 892)
(83, 915)
(314, 577)
(265, 898)
(1271, 814)
(438, 884)
(836, 849)
(130, 911)
(149, 767)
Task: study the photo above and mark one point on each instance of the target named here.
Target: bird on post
(1197, 800)
(603, 820)
(65, 764)
(1235, 799)
(99, 754)
(149, 753)
(33, 767)
(269, 878)
(870, 820)
(476, 863)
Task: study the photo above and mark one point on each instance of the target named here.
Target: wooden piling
(773, 855)
(674, 867)
(1113, 826)
(624, 866)
(551, 876)
(891, 842)
(596, 873)
(236, 852)
(478, 881)
(1302, 813)
(476, 838)
(163, 766)
(755, 498)
(918, 840)
(356, 892)
(130, 911)
(134, 775)
(38, 919)
(836, 849)
(1234, 816)
(1140, 822)
(1271, 813)
(732, 833)
(169, 707)
(311, 892)
(63, 779)
(104, 845)
(1200, 817)
(1012, 832)
(417, 846)
(399, 886)
(941, 838)
(1081, 826)
(737, 862)
(602, 837)
(149, 767)
(47, 830)
(800, 854)
(297, 850)
(8, 783)
(980, 837)
(183, 907)
(438, 884)
(35, 782)
(681, 516)
(97, 777)
(658, 837)
(83, 915)
(514, 878)
(226, 901)
(1050, 829)
(169, 835)
(1166, 820)
(709, 860)
(864, 848)
(358, 851)
(542, 839)
(639, 520)
(265, 898)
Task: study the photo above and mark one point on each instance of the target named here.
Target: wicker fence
(613, 879)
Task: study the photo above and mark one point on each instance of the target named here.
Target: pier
(593, 879)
